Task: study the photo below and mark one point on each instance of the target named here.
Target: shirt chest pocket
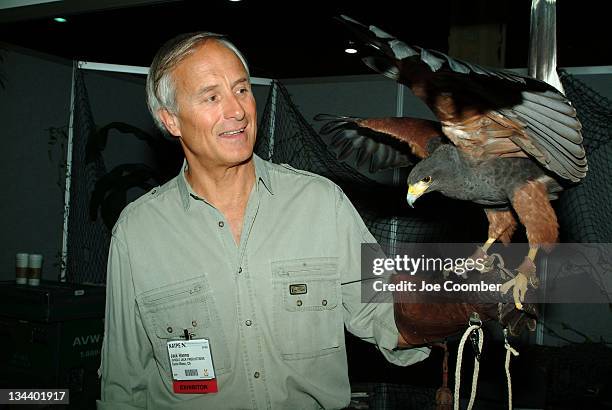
(307, 307)
(190, 305)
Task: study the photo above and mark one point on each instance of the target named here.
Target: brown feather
(530, 201)
(414, 131)
(501, 224)
(487, 136)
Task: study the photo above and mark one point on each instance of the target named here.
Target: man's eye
(243, 90)
(212, 98)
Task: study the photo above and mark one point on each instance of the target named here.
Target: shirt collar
(187, 194)
(261, 172)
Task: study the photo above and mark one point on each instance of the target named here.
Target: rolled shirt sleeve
(372, 321)
(126, 351)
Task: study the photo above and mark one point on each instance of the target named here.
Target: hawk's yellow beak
(415, 191)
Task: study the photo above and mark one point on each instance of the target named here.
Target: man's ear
(170, 121)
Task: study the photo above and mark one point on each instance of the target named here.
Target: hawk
(502, 140)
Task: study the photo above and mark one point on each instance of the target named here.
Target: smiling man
(230, 285)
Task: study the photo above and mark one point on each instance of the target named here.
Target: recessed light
(350, 50)
(60, 20)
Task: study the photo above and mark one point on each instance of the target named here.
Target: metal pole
(272, 120)
(542, 64)
(64, 256)
(399, 112)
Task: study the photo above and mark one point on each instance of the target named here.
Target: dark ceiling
(292, 39)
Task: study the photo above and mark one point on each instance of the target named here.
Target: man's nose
(233, 108)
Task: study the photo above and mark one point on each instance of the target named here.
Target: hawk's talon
(489, 264)
(519, 284)
(524, 277)
(488, 260)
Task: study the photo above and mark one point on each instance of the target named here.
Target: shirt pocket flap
(307, 284)
(187, 305)
(173, 308)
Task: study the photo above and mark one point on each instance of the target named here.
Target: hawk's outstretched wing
(486, 113)
(382, 142)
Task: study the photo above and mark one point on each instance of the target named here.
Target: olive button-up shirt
(273, 307)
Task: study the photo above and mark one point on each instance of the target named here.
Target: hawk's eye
(427, 180)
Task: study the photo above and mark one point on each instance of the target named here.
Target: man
(226, 285)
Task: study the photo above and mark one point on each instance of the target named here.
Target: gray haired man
(225, 285)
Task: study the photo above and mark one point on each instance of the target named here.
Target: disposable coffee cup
(21, 268)
(34, 269)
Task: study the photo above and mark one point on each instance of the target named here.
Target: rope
(468, 332)
(509, 349)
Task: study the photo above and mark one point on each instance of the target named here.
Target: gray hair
(161, 89)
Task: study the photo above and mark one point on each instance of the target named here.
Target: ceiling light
(60, 20)
(350, 48)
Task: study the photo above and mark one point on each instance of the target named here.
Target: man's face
(216, 120)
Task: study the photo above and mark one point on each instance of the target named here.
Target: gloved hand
(423, 321)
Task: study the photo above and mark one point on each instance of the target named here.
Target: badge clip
(186, 334)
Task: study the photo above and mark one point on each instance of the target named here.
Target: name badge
(192, 367)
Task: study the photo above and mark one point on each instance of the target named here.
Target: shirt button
(221, 224)
(194, 323)
(169, 329)
(256, 375)
(298, 302)
(324, 302)
(248, 322)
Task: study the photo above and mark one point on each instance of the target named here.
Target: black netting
(585, 211)
(88, 240)
(286, 137)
